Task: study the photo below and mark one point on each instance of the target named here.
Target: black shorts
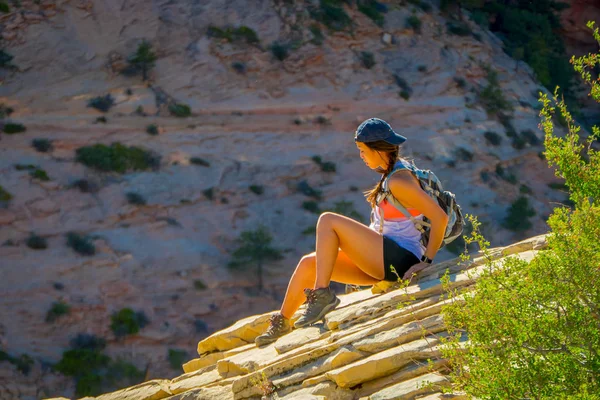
(399, 257)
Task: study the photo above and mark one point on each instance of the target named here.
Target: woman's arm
(408, 192)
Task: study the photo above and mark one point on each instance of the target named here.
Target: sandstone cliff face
(382, 344)
(260, 128)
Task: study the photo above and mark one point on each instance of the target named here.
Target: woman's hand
(415, 269)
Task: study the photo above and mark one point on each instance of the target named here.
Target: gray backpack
(433, 187)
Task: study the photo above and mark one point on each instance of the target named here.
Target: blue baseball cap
(374, 129)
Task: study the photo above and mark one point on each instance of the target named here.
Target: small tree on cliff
(534, 327)
(254, 249)
(143, 59)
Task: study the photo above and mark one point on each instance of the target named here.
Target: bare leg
(344, 271)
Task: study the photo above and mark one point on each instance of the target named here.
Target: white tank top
(402, 231)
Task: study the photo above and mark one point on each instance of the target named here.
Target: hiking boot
(278, 326)
(319, 302)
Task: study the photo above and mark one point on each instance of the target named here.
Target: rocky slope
(378, 344)
(260, 127)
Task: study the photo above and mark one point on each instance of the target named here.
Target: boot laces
(311, 297)
(275, 323)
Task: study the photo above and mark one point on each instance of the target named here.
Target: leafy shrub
(458, 28)
(322, 120)
(491, 96)
(143, 59)
(177, 358)
(37, 242)
(102, 103)
(12, 128)
(4, 7)
(199, 284)
(492, 138)
(116, 157)
(327, 166)
(254, 248)
(58, 309)
(209, 193)
(414, 23)
(530, 137)
(152, 129)
(101, 119)
(81, 244)
(40, 174)
(199, 161)
(5, 59)
(135, 198)
(518, 216)
(405, 94)
(127, 322)
(370, 9)
(41, 145)
(4, 194)
(524, 189)
(5, 111)
(279, 50)
(84, 186)
(239, 67)
(230, 34)
(367, 59)
(311, 206)
(460, 82)
(318, 37)
(180, 110)
(304, 188)
(422, 68)
(23, 363)
(463, 154)
(330, 14)
(256, 189)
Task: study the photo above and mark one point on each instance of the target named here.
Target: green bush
(492, 138)
(135, 198)
(256, 189)
(143, 59)
(369, 8)
(327, 166)
(279, 50)
(368, 59)
(81, 244)
(518, 216)
(152, 129)
(463, 154)
(12, 128)
(41, 145)
(5, 59)
(414, 23)
(180, 110)
(116, 157)
(39, 174)
(4, 194)
(254, 248)
(240, 34)
(530, 137)
(304, 188)
(491, 96)
(458, 28)
(5, 111)
(58, 309)
(524, 189)
(102, 103)
(23, 363)
(101, 119)
(405, 94)
(331, 14)
(318, 37)
(4, 7)
(199, 285)
(127, 322)
(177, 358)
(37, 242)
(239, 67)
(209, 193)
(311, 206)
(199, 161)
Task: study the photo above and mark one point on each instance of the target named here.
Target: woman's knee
(326, 220)
(307, 264)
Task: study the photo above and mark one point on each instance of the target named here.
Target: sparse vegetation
(36, 242)
(414, 23)
(6, 60)
(331, 14)
(370, 9)
(180, 110)
(327, 166)
(4, 195)
(23, 363)
(127, 322)
(12, 128)
(209, 193)
(463, 154)
(230, 34)
(311, 206)
(239, 67)
(199, 285)
(102, 103)
(41, 145)
(491, 96)
(368, 59)
(256, 189)
(117, 158)
(57, 310)
(254, 248)
(81, 244)
(152, 129)
(279, 50)
(492, 138)
(318, 37)
(135, 198)
(199, 161)
(304, 188)
(177, 358)
(518, 216)
(5, 111)
(143, 59)
(40, 174)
